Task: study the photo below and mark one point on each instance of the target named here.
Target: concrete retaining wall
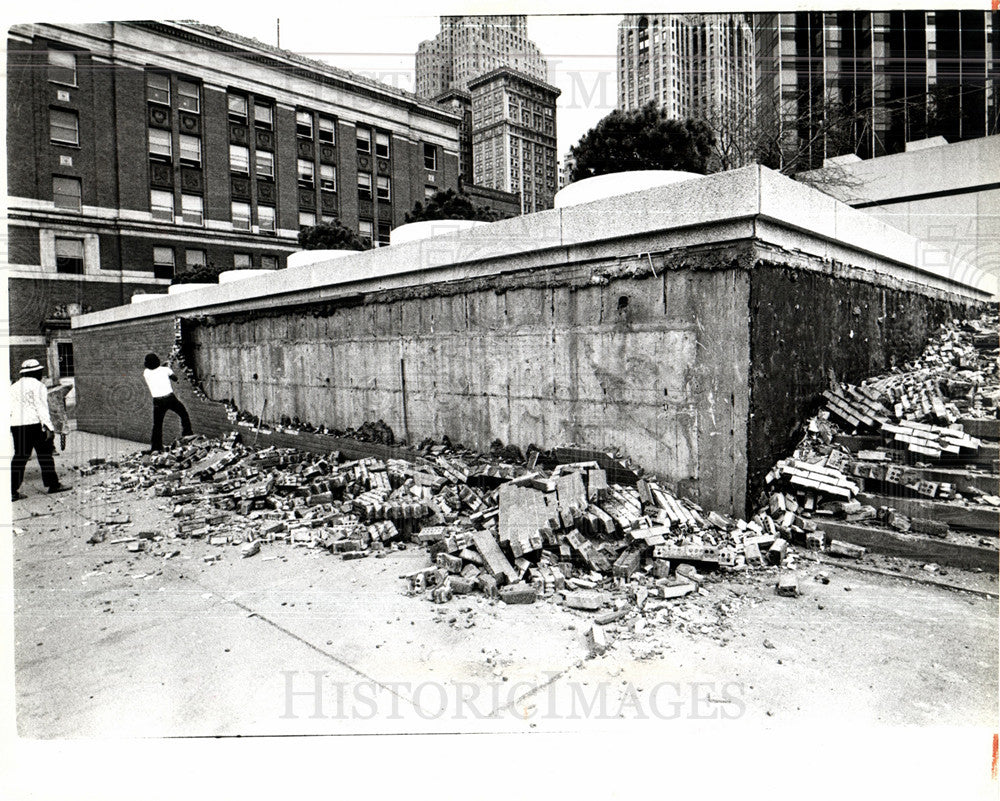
(649, 364)
(696, 348)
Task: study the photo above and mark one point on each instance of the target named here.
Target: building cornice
(289, 63)
(509, 71)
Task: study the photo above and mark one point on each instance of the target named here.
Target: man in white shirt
(158, 378)
(32, 429)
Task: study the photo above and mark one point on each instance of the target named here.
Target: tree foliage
(331, 236)
(205, 274)
(645, 139)
(451, 205)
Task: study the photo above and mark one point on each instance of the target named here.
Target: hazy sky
(580, 51)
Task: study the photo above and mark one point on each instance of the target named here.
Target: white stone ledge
(696, 210)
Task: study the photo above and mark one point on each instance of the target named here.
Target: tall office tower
(140, 151)
(832, 83)
(698, 66)
(514, 136)
(468, 47)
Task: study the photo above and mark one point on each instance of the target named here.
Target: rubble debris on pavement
(901, 439)
(594, 535)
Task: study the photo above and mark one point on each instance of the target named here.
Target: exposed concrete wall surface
(656, 365)
(810, 328)
(630, 322)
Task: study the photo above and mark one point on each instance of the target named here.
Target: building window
(304, 124)
(161, 205)
(430, 157)
(307, 173)
(190, 150)
(269, 262)
(194, 259)
(306, 219)
(62, 67)
(364, 140)
(365, 230)
(382, 188)
(265, 218)
(239, 159)
(384, 230)
(327, 131)
(158, 87)
(64, 355)
(365, 185)
(189, 96)
(265, 164)
(242, 261)
(64, 127)
(69, 256)
(241, 216)
(160, 146)
(163, 263)
(328, 177)
(429, 192)
(381, 145)
(263, 116)
(237, 107)
(67, 193)
(192, 209)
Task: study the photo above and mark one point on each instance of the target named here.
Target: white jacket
(29, 403)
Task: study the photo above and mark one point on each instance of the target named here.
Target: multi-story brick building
(138, 151)
(514, 136)
(865, 82)
(698, 66)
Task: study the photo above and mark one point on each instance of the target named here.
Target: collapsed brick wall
(636, 353)
(809, 328)
(699, 367)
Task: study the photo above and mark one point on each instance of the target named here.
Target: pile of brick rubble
(537, 529)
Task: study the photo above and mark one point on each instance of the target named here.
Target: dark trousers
(28, 439)
(160, 407)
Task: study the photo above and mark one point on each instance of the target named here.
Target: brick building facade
(139, 151)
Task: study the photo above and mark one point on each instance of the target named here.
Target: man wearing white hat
(32, 429)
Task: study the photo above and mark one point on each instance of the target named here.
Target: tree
(451, 205)
(645, 139)
(331, 236)
(205, 274)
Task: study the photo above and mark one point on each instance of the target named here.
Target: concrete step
(982, 428)
(985, 520)
(913, 546)
(325, 443)
(987, 455)
(986, 482)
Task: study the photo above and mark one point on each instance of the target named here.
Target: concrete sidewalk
(294, 640)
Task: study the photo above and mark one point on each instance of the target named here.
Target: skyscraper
(831, 83)
(698, 66)
(488, 67)
(468, 47)
(514, 136)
